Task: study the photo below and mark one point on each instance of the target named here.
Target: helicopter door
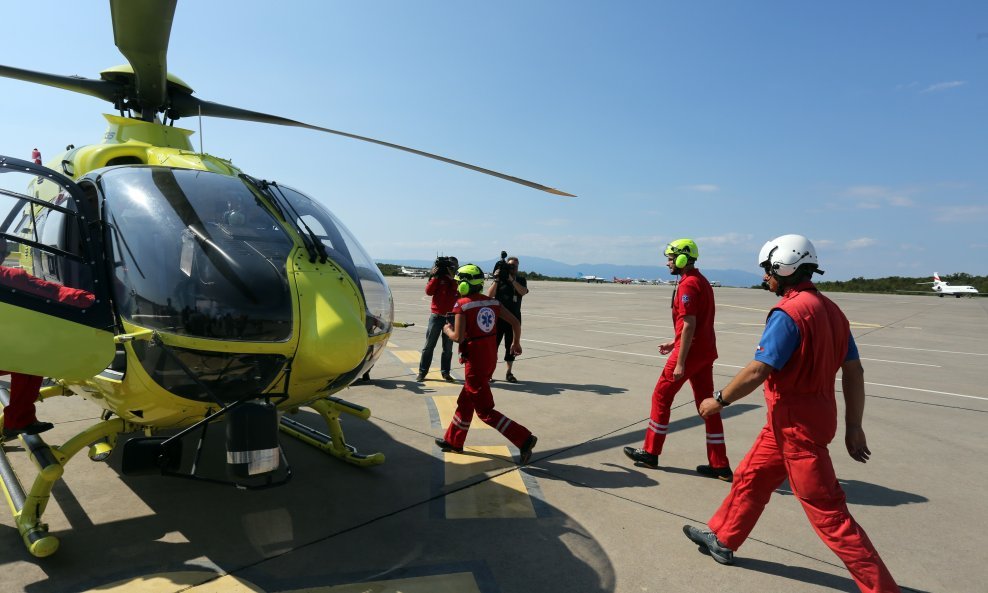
(54, 300)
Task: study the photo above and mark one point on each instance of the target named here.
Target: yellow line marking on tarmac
(446, 406)
(408, 356)
(457, 582)
(209, 582)
(189, 580)
(502, 497)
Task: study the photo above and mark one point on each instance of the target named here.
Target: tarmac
(581, 517)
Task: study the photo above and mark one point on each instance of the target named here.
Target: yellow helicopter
(216, 295)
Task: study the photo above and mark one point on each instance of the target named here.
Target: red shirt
(480, 317)
(21, 280)
(442, 289)
(694, 296)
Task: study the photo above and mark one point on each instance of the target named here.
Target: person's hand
(666, 348)
(709, 407)
(434, 271)
(516, 348)
(679, 371)
(857, 444)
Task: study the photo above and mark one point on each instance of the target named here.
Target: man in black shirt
(509, 293)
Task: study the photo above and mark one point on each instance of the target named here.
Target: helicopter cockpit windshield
(344, 249)
(196, 253)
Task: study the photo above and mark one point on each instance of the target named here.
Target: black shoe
(420, 378)
(35, 427)
(448, 378)
(442, 444)
(526, 449)
(510, 378)
(721, 473)
(642, 457)
(709, 543)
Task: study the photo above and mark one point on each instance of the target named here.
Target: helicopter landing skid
(28, 508)
(333, 443)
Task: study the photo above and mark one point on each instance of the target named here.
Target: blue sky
(860, 125)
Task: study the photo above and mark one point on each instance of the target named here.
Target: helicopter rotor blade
(141, 29)
(184, 105)
(101, 89)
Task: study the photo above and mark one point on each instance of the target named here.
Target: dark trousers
(504, 332)
(433, 332)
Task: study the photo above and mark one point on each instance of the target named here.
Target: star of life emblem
(486, 319)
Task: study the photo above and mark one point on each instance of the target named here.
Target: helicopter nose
(332, 335)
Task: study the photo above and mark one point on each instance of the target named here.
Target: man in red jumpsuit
(19, 416)
(806, 340)
(474, 328)
(693, 352)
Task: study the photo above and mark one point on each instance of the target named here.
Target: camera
(444, 265)
(502, 271)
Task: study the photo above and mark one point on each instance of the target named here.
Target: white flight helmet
(783, 255)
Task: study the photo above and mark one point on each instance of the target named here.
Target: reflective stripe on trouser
(807, 464)
(701, 378)
(23, 394)
(476, 397)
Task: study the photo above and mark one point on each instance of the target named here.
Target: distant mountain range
(550, 267)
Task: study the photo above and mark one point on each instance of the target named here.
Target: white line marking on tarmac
(918, 364)
(733, 366)
(923, 349)
(921, 364)
(928, 391)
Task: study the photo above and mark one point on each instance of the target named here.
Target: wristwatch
(719, 396)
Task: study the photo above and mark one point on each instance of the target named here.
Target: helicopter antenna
(200, 131)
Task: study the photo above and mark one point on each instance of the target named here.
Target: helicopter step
(333, 443)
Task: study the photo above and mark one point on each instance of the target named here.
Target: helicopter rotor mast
(141, 29)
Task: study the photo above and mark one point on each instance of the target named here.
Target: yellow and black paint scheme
(336, 310)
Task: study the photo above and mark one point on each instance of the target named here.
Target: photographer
(508, 288)
(442, 289)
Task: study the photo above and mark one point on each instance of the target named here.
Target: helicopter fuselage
(250, 288)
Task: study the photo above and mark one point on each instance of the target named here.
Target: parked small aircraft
(944, 288)
(621, 280)
(591, 279)
(414, 272)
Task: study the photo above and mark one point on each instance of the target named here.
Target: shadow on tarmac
(865, 493)
(592, 477)
(540, 388)
(802, 574)
(332, 523)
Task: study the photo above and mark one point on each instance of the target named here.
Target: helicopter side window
(343, 247)
(47, 265)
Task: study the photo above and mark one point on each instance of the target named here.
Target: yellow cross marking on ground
(502, 497)
(457, 582)
(446, 406)
(209, 582)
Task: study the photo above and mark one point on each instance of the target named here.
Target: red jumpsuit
(24, 388)
(693, 296)
(802, 420)
(478, 353)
